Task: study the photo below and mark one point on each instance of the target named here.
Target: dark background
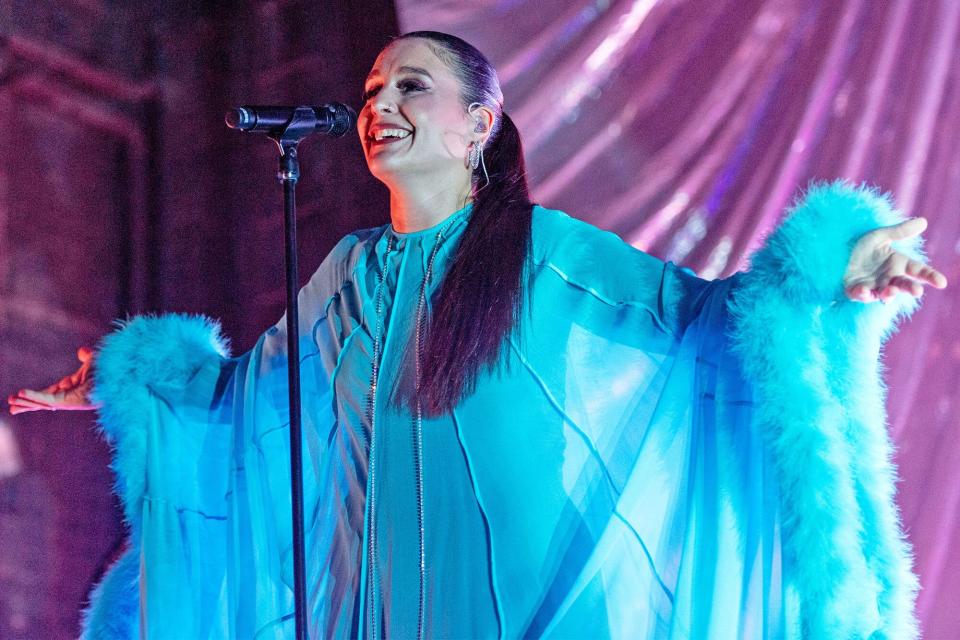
(121, 191)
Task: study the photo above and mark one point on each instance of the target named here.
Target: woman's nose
(383, 102)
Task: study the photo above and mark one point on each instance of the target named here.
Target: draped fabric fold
(660, 456)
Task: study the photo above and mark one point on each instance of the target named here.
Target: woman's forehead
(412, 53)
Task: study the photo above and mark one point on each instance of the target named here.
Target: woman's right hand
(70, 393)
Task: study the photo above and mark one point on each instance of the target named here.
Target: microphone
(333, 119)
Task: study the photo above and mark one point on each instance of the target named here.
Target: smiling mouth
(384, 137)
(384, 142)
(389, 134)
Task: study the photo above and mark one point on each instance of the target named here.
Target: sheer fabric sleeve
(623, 488)
(666, 457)
(201, 457)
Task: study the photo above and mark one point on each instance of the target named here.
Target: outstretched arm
(808, 329)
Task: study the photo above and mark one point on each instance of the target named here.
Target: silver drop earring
(474, 155)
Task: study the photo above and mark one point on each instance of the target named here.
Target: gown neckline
(462, 212)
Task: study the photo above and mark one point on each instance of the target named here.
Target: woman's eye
(405, 86)
(411, 85)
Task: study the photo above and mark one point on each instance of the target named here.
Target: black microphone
(333, 119)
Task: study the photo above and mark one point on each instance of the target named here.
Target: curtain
(687, 127)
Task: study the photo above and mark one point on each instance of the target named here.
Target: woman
(515, 423)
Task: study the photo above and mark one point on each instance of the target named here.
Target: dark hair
(480, 301)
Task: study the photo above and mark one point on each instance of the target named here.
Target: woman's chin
(385, 170)
(395, 169)
(391, 168)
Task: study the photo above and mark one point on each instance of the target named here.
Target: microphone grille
(344, 118)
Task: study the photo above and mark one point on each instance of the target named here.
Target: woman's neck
(414, 209)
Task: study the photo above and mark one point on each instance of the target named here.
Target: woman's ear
(483, 120)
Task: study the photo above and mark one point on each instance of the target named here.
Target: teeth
(390, 133)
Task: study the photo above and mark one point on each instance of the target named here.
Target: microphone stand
(287, 126)
(300, 126)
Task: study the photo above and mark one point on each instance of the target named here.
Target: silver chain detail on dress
(371, 414)
(417, 435)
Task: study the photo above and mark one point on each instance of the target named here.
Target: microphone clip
(287, 126)
(301, 125)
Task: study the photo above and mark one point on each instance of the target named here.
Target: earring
(474, 156)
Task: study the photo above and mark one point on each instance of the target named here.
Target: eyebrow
(405, 69)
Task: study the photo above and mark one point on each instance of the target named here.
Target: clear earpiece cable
(486, 176)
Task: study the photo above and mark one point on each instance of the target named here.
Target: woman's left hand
(877, 271)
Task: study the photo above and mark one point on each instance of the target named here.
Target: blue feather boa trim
(813, 356)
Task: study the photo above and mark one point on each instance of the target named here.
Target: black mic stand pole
(334, 119)
(301, 125)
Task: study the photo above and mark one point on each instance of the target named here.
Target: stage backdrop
(122, 191)
(687, 126)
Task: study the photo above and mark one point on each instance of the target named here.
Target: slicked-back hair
(480, 300)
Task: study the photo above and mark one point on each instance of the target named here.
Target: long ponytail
(480, 301)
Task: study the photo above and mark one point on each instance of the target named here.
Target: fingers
(905, 284)
(906, 229)
(915, 269)
(23, 401)
(926, 273)
(73, 399)
(68, 393)
(85, 355)
(40, 397)
(884, 290)
(25, 407)
(53, 388)
(60, 385)
(860, 293)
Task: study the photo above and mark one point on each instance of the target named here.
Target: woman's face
(412, 122)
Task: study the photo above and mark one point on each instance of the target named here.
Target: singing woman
(515, 423)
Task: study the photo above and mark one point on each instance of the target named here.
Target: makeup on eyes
(407, 81)
(404, 85)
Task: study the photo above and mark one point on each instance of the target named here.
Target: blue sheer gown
(622, 475)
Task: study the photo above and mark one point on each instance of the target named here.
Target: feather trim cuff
(813, 358)
(145, 351)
